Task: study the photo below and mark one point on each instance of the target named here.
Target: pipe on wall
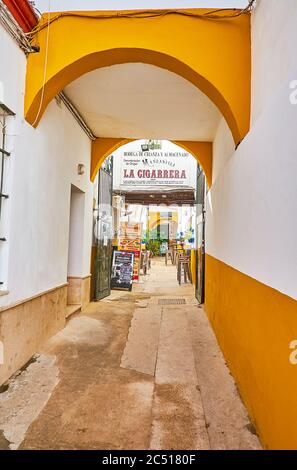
(23, 13)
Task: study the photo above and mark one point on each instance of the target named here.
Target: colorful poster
(136, 266)
(130, 240)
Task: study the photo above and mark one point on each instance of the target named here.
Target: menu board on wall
(122, 270)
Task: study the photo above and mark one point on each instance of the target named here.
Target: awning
(175, 197)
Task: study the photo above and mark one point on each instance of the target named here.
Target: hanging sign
(148, 169)
(122, 270)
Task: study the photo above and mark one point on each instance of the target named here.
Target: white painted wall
(274, 39)
(251, 213)
(76, 232)
(42, 167)
(223, 148)
(251, 223)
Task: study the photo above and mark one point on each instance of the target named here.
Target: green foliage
(152, 242)
(154, 246)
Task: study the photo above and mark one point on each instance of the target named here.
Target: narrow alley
(136, 370)
(148, 274)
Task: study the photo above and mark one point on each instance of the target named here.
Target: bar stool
(183, 264)
(144, 262)
(149, 257)
(174, 254)
(169, 254)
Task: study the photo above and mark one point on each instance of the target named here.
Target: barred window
(5, 114)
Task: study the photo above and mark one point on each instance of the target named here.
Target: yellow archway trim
(103, 147)
(202, 151)
(213, 55)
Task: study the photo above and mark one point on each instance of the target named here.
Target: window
(5, 115)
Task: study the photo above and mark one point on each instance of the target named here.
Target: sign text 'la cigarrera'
(151, 173)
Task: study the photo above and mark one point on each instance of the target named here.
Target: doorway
(103, 233)
(200, 234)
(75, 247)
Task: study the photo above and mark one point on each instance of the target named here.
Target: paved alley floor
(139, 370)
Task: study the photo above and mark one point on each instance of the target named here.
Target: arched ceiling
(136, 100)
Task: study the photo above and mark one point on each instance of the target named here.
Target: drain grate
(171, 301)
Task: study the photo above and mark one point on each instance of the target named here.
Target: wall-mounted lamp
(80, 169)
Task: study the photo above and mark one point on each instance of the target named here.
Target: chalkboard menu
(122, 270)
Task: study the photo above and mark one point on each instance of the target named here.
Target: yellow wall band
(254, 325)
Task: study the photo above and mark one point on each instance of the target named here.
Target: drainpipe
(23, 13)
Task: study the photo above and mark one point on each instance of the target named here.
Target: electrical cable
(145, 14)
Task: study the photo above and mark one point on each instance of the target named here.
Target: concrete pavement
(129, 372)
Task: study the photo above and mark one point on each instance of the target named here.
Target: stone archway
(214, 55)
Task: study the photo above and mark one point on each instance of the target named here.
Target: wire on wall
(217, 15)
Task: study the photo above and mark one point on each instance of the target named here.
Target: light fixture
(80, 169)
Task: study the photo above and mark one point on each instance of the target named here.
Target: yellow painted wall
(193, 266)
(203, 152)
(101, 149)
(213, 55)
(155, 219)
(254, 325)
